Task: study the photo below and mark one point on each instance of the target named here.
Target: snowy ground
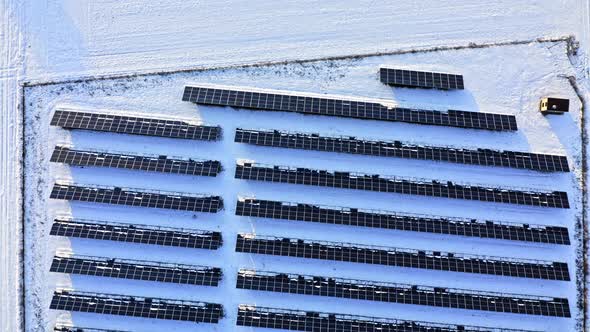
(65, 39)
(519, 74)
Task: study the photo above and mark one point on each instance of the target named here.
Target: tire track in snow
(11, 313)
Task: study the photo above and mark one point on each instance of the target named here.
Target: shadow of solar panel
(421, 79)
(402, 257)
(399, 185)
(397, 149)
(250, 207)
(402, 293)
(137, 270)
(312, 321)
(134, 125)
(141, 234)
(137, 197)
(71, 328)
(162, 164)
(345, 107)
(125, 305)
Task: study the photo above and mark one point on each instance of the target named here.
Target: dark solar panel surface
(352, 145)
(411, 258)
(137, 270)
(162, 164)
(134, 125)
(311, 321)
(347, 108)
(401, 293)
(142, 234)
(400, 221)
(199, 312)
(407, 186)
(137, 197)
(421, 79)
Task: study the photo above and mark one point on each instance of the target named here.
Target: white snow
(10, 153)
(76, 37)
(50, 39)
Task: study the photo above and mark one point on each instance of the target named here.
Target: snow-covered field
(54, 40)
(525, 73)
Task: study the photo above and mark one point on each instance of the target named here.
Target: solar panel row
(344, 107)
(407, 186)
(162, 164)
(71, 328)
(137, 197)
(353, 145)
(124, 305)
(420, 79)
(401, 293)
(401, 221)
(402, 257)
(137, 270)
(144, 234)
(311, 321)
(134, 125)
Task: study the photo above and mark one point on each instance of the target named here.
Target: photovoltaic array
(344, 107)
(401, 293)
(402, 257)
(399, 185)
(298, 282)
(137, 270)
(312, 321)
(420, 79)
(162, 163)
(125, 305)
(250, 207)
(141, 234)
(353, 145)
(134, 125)
(137, 197)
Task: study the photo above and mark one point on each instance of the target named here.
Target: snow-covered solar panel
(137, 270)
(137, 306)
(137, 197)
(353, 145)
(403, 257)
(399, 185)
(402, 293)
(134, 125)
(313, 321)
(420, 79)
(345, 107)
(250, 207)
(162, 163)
(73, 328)
(141, 234)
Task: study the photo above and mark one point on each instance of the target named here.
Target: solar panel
(136, 306)
(345, 107)
(313, 321)
(421, 79)
(251, 207)
(403, 257)
(71, 328)
(132, 125)
(402, 293)
(399, 185)
(142, 234)
(137, 270)
(137, 197)
(397, 149)
(151, 163)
